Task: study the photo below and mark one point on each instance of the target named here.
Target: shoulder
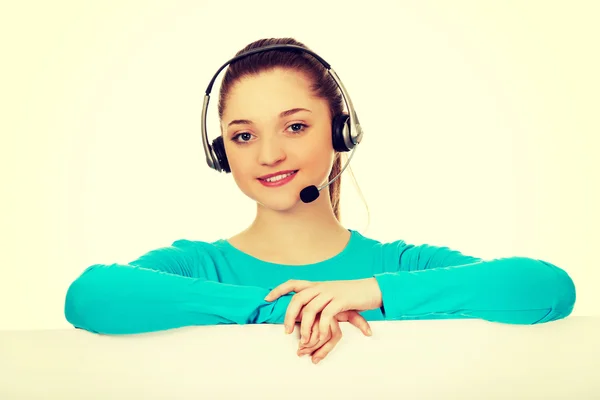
(380, 245)
(397, 253)
(190, 244)
(187, 257)
(215, 247)
(383, 250)
(182, 256)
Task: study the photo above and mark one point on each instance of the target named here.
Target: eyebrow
(283, 114)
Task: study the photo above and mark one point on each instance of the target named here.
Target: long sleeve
(164, 289)
(439, 283)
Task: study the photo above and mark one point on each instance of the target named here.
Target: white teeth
(278, 177)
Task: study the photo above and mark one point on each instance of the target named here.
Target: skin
(269, 143)
(273, 144)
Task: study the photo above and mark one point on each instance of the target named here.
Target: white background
(480, 118)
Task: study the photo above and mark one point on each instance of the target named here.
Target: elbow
(77, 299)
(562, 294)
(566, 294)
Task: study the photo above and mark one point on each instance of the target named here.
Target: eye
(299, 127)
(244, 135)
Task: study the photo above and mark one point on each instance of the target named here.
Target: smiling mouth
(278, 180)
(274, 179)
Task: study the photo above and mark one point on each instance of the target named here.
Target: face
(262, 136)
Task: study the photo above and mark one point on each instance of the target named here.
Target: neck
(305, 227)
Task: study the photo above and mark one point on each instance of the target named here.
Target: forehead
(268, 93)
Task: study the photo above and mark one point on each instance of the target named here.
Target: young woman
(283, 129)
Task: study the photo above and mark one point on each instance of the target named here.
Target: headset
(346, 130)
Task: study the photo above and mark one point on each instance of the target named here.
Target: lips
(279, 182)
(262, 178)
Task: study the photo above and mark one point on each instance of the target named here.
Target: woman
(296, 262)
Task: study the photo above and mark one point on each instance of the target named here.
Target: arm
(439, 283)
(163, 289)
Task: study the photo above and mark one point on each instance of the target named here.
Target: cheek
(318, 162)
(238, 165)
(239, 168)
(242, 176)
(323, 152)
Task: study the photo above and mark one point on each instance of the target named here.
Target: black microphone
(311, 193)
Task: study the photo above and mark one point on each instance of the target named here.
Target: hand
(328, 298)
(319, 349)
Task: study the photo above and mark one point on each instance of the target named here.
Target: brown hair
(323, 86)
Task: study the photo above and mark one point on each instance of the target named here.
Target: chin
(277, 206)
(283, 198)
(278, 202)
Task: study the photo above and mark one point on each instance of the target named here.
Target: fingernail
(316, 360)
(369, 332)
(304, 340)
(286, 329)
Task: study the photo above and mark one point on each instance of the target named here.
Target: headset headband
(356, 132)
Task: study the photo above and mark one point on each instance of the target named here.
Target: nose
(270, 151)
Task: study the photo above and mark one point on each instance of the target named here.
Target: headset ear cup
(219, 149)
(339, 130)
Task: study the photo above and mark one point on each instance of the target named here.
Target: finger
(313, 344)
(327, 347)
(309, 315)
(298, 301)
(343, 316)
(328, 315)
(314, 337)
(360, 322)
(318, 343)
(291, 285)
(287, 287)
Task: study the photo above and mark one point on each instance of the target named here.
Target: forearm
(511, 290)
(121, 299)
